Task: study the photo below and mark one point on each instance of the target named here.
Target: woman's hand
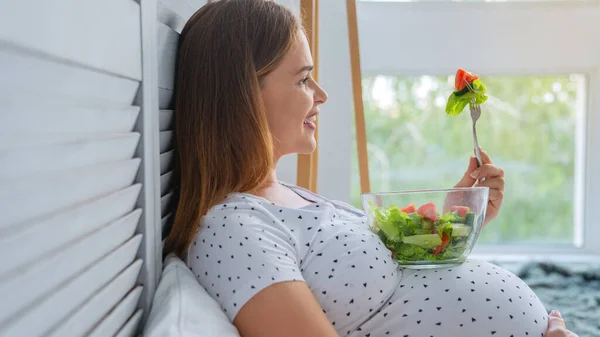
(494, 179)
(557, 327)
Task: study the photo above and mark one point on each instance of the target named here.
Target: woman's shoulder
(238, 204)
(339, 204)
(245, 212)
(237, 216)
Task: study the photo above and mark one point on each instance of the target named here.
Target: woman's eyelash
(304, 80)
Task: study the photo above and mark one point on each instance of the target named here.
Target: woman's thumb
(467, 180)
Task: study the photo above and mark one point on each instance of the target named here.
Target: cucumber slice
(424, 240)
(382, 236)
(427, 224)
(470, 219)
(460, 230)
(463, 90)
(416, 218)
(458, 219)
(420, 231)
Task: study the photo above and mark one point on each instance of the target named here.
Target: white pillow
(182, 308)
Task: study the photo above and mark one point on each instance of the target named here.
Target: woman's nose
(320, 95)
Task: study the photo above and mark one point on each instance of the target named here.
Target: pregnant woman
(281, 260)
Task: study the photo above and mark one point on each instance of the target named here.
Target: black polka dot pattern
(248, 243)
(450, 307)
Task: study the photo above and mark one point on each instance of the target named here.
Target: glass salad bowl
(427, 228)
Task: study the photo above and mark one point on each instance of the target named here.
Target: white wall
(507, 38)
(287, 166)
(336, 119)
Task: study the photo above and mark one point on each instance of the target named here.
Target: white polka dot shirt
(247, 243)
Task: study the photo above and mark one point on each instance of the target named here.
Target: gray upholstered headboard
(85, 161)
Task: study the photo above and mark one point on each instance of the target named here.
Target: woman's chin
(309, 146)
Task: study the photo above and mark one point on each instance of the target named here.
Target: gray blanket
(575, 292)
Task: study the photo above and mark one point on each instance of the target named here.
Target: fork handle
(477, 153)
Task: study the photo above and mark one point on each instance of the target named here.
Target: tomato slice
(409, 209)
(462, 210)
(428, 211)
(463, 77)
(458, 80)
(445, 242)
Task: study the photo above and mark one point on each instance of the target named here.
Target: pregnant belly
(473, 299)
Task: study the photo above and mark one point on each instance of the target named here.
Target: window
(529, 127)
(539, 123)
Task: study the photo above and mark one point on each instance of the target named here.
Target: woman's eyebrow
(305, 68)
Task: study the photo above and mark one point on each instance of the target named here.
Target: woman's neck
(270, 183)
(272, 179)
(279, 194)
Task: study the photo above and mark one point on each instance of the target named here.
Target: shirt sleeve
(239, 251)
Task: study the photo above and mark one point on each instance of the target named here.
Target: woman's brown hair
(223, 140)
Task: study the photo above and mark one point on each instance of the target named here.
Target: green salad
(422, 234)
(468, 90)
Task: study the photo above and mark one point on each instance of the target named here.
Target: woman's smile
(309, 122)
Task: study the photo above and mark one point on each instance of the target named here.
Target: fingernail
(475, 173)
(555, 313)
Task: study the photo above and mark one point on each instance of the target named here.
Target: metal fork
(475, 114)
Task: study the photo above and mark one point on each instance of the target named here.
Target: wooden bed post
(359, 113)
(307, 171)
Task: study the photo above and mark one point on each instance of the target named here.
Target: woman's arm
(283, 309)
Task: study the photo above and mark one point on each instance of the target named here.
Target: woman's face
(292, 99)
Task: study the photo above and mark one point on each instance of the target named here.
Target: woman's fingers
(467, 180)
(487, 171)
(496, 195)
(485, 158)
(495, 184)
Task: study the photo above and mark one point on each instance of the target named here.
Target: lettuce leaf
(393, 226)
(456, 104)
(386, 226)
(419, 231)
(448, 217)
(407, 251)
(445, 228)
(396, 216)
(391, 231)
(396, 224)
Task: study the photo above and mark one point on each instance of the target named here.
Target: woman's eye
(304, 80)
